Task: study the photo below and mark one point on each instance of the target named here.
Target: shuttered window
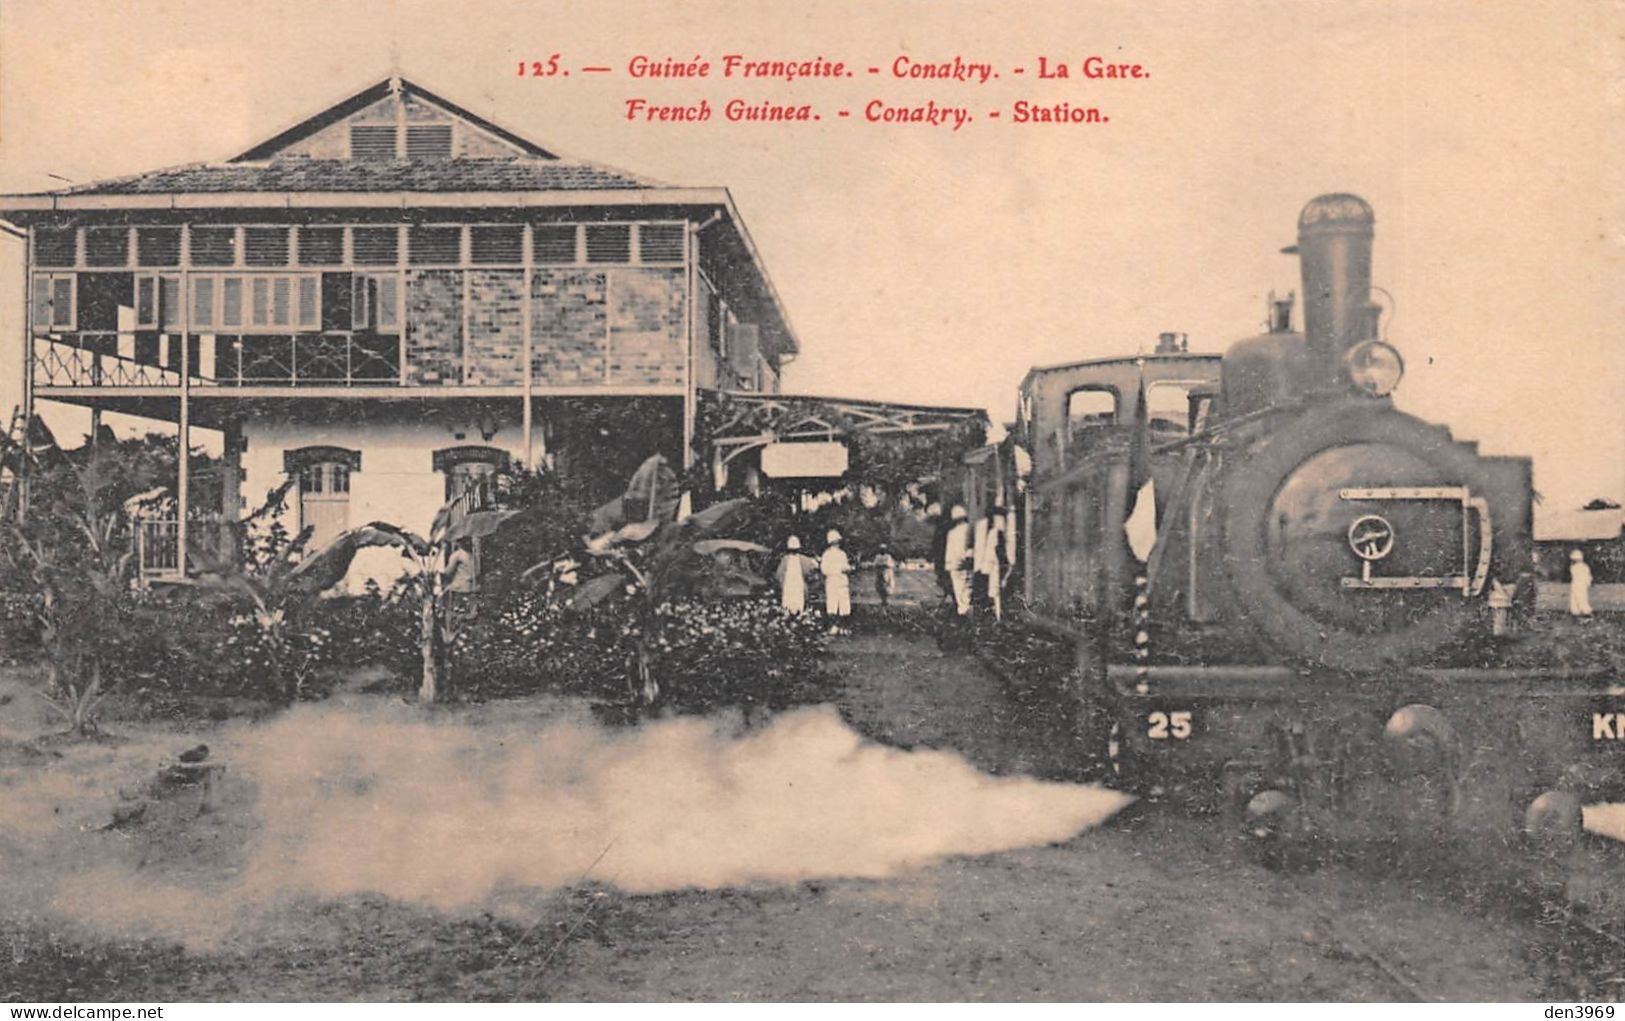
(281, 301)
(309, 308)
(265, 246)
(107, 246)
(660, 242)
(435, 245)
(169, 303)
(555, 243)
(214, 246)
(158, 246)
(146, 302)
(54, 295)
(261, 304)
(609, 243)
(321, 246)
(387, 314)
(202, 302)
(497, 244)
(56, 246)
(231, 301)
(372, 141)
(375, 303)
(376, 246)
(428, 142)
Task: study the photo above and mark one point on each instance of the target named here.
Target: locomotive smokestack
(1334, 244)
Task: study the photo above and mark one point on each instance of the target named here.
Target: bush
(708, 654)
(20, 639)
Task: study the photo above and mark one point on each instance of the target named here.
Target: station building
(388, 303)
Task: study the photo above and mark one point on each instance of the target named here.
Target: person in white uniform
(792, 575)
(956, 558)
(835, 567)
(1579, 585)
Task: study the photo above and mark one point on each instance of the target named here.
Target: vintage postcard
(722, 501)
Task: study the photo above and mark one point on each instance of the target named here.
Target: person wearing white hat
(957, 558)
(792, 575)
(835, 567)
(1579, 585)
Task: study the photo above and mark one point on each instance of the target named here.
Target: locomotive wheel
(1262, 493)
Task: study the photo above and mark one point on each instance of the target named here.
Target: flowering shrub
(710, 654)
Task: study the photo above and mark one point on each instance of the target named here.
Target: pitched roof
(271, 167)
(303, 174)
(370, 95)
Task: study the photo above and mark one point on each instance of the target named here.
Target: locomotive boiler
(1334, 592)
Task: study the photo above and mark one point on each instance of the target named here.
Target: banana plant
(436, 563)
(83, 585)
(651, 555)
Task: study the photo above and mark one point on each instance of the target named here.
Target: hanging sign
(804, 460)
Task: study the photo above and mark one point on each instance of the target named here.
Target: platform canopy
(734, 425)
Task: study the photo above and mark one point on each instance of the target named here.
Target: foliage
(73, 555)
(20, 638)
(434, 566)
(552, 512)
(646, 553)
(710, 654)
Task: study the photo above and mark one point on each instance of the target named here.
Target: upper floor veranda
(391, 240)
(495, 300)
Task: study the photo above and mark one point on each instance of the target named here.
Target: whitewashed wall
(396, 483)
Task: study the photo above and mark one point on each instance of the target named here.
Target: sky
(927, 265)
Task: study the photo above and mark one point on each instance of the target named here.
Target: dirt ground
(1154, 905)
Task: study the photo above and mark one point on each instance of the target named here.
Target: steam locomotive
(1336, 592)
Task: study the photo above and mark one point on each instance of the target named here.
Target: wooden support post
(527, 412)
(21, 481)
(184, 473)
(691, 260)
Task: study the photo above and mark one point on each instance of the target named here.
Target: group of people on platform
(836, 569)
(971, 563)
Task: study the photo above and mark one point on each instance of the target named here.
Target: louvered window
(231, 302)
(497, 244)
(372, 141)
(436, 245)
(146, 302)
(321, 246)
(428, 142)
(265, 246)
(275, 303)
(375, 303)
(660, 242)
(281, 303)
(169, 303)
(158, 246)
(555, 243)
(609, 243)
(202, 302)
(214, 246)
(308, 302)
(107, 246)
(375, 246)
(261, 304)
(54, 295)
(56, 246)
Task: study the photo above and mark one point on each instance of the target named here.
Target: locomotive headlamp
(1374, 367)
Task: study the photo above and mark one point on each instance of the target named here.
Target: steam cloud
(447, 814)
(456, 813)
